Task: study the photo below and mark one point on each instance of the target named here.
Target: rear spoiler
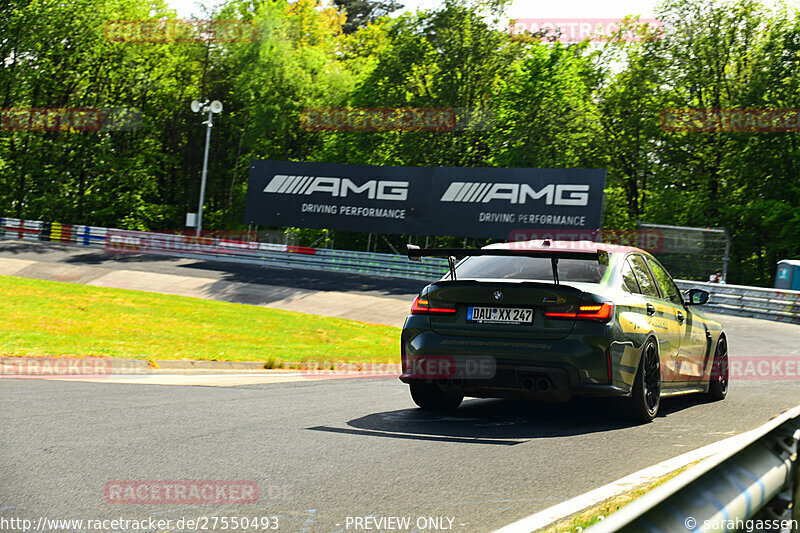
(415, 253)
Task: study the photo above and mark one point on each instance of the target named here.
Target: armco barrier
(278, 255)
(752, 487)
(771, 304)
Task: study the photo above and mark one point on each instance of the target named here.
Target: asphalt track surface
(323, 451)
(247, 273)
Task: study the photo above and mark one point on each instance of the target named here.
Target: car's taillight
(558, 314)
(602, 313)
(422, 307)
(599, 312)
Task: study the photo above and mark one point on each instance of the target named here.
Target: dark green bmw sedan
(549, 320)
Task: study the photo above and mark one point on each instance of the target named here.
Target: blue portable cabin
(788, 276)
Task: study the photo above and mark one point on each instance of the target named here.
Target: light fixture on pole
(211, 108)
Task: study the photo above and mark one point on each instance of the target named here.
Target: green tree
(361, 13)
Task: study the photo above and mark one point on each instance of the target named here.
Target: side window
(668, 287)
(646, 282)
(629, 279)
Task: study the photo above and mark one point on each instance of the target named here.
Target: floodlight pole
(209, 123)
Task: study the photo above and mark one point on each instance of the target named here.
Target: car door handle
(651, 310)
(681, 318)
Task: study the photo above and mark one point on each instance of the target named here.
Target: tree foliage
(360, 13)
(543, 104)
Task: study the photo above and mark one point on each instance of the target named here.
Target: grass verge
(584, 519)
(50, 318)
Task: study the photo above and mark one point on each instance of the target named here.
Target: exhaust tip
(543, 385)
(528, 384)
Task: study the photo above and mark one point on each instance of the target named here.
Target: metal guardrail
(280, 255)
(173, 244)
(732, 491)
(756, 302)
(771, 304)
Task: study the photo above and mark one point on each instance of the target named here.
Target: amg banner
(460, 202)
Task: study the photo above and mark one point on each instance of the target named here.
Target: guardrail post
(796, 496)
(784, 443)
(727, 256)
(44, 233)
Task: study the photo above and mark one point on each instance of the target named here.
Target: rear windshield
(532, 268)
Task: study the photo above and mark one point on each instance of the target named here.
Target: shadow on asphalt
(72, 253)
(103, 258)
(312, 279)
(504, 422)
(221, 270)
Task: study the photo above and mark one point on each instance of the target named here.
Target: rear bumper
(551, 370)
(509, 380)
(533, 382)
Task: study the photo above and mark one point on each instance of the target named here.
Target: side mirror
(696, 297)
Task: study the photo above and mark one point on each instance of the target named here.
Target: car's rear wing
(415, 253)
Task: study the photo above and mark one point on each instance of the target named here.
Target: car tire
(718, 386)
(646, 396)
(432, 398)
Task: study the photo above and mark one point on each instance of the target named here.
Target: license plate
(499, 315)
